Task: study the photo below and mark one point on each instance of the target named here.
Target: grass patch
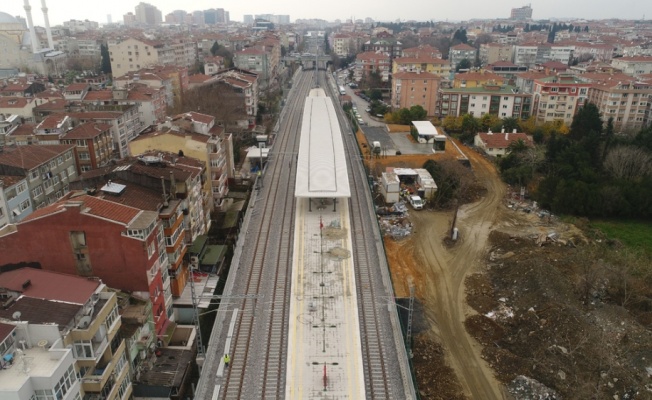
(634, 234)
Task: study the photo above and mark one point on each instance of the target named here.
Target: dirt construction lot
(503, 316)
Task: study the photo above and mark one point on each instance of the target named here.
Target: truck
(415, 202)
(342, 91)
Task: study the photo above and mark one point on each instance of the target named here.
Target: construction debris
(524, 388)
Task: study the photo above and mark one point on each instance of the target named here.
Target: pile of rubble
(394, 221)
(524, 388)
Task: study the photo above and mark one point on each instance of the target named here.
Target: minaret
(30, 24)
(47, 24)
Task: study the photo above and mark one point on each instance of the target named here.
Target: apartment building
(415, 88)
(368, 62)
(460, 52)
(634, 66)
(50, 130)
(48, 169)
(257, 61)
(521, 13)
(5, 214)
(343, 44)
(133, 54)
(506, 69)
(625, 99)
(151, 102)
(147, 14)
(530, 54)
(213, 65)
(422, 51)
(93, 144)
(59, 338)
(16, 201)
(558, 98)
(89, 235)
(477, 79)
(173, 80)
(501, 101)
(21, 106)
(437, 66)
(491, 53)
(245, 83)
(202, 141)
(124, 120)
(388, 45)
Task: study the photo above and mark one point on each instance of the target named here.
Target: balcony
(97, 378)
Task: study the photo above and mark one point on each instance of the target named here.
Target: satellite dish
(16, 316)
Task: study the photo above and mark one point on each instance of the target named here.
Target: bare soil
(520, 295)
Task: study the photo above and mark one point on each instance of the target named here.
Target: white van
(415, 202)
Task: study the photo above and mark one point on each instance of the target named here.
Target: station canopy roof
(321, 163)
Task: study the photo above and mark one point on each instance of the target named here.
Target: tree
(464, 64)
(453, 181)
(628, 163)
(586, 122)
(215, 48)
(106, 59)
(460, 36)
(452, 123)
(418, 113)
(510, 123)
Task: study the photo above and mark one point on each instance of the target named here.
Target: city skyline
(420, 10)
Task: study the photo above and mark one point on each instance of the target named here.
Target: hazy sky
(380, 10)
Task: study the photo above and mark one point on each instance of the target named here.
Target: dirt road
(442, 290)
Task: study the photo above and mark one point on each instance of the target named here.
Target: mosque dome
(7, 19)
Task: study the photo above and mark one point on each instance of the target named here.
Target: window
(65, 383)
(33, 175)
(68, 155)
(112, 317)
(71, 171)
(21, 187)
(505, 98)
(24, 205)
(60, 160)
(37, 191)
(53, 164)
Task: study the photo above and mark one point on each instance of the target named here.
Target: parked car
(415, 202)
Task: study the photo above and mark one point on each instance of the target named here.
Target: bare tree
(628, 162)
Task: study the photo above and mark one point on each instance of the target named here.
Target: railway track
(384, 377)
(259, 347)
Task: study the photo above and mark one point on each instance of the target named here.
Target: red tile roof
(108, 210)
(24, 130)
(49, 285)
(203, 118)
(5, 330)
(31, 156)
(52, 121)
(14, 102)
(503, 140)
(74, 87)
(98, 95)
(87, 130)
(199, 78)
